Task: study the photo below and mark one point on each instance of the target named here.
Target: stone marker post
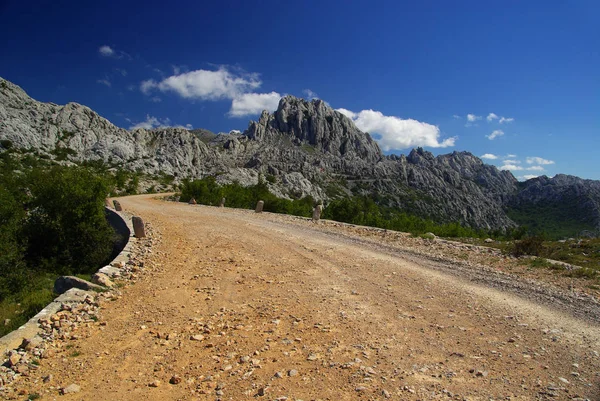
(317, 212)
(259, 206)
(192, 201)
(118, 207)
(222, 202)
(138, 227)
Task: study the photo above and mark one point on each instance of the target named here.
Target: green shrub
(532, 246)
(66, 229)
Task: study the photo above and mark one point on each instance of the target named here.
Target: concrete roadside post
(317, 212)
(259, 206)
(138, 227)
(222, 202)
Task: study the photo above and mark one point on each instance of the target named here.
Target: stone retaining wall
(121, 222)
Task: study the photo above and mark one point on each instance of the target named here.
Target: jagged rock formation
(305, 146)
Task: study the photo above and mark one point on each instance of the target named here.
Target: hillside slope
(305, 147)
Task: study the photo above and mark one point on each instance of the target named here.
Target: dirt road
(234, 305)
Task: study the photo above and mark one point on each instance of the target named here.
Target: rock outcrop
(304, 147)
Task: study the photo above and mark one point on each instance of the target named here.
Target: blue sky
(411, 73)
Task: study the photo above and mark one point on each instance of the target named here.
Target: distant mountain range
(307, 148)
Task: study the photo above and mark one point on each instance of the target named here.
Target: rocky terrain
(306, 147)
(231, 304)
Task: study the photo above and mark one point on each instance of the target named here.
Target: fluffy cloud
(491, 116)
(104, 82)
(489, 156)
(506, 120)
(106, 51)
(530, 176)
(510, 156)
(538, 160)
(494, 135)
(535, 168)
(153, 122)
(253, 103)
(512, 167)
(510, 161)
(472, 118)
(205, 84)
(456, 116)
(397, 133)
(310, 95)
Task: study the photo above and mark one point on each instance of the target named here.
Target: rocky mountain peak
(317, 124)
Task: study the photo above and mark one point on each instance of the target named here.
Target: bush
(532, 246)
(207, 192)
(67, 230)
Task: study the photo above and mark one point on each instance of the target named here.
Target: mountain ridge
(307, 147)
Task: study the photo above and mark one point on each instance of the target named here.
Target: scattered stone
(562, 379)
(6, 322)
(488, 240)
(48, 379)
(197, 337)
(155, 383)
(386, 393)
(278, 375)
(175, 379)
(118, 207)
(71, 389)
(31, 343)
(13, 359)
(292, 372)
(103, 280)
(192, 201)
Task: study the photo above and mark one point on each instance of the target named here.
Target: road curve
(234, 305)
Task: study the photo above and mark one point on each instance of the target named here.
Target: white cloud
(491, 116)
(456, 116)
(510, 161)
(310, 95)
(494, 135)
(506, 120)
(205, 84)
(104, 82)
(472, 118)
(397, 133)
(253, 103)
(512, 167)
(538, 160)
(535, 168)
(121, 71)
(489, 156)
(510, 156)
(530, 176)
(106, 51)
(155, 99)
(153, 122)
